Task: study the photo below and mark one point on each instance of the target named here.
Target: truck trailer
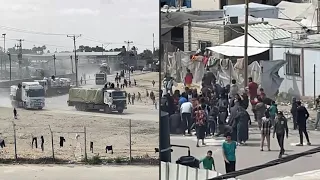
(27, 95)
(106, 99)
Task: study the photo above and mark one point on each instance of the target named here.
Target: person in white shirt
(186, 117)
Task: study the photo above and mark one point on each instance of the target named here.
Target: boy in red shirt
(188, 79)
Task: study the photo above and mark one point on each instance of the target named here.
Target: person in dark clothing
(294, 113)
(42, 143)
(302, 116)
(175, 122)
(245, 100)
(212, 120)
(281, 129)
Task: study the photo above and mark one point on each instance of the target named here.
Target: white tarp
(309, 175)
(235, 47)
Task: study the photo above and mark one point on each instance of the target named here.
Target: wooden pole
(130, 142)
(52, 146)
(15, 141)
(245, 61)
(85, 144)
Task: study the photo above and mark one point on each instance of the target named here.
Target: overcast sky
(104, 21)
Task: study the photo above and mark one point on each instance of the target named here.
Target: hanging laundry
(35, 141)
(2, 143)
(42, 142)
(62, 140)
(91, 146)
(109, 148)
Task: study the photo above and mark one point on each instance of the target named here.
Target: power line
(30, 31)
(224, 45)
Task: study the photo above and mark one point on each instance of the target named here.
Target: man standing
(234, 89)
(294, 112)
(253, 93)
(302, 116)
(253, 89)
(186, 110)
(281, 129)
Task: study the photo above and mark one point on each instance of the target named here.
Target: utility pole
(318, 16)
(4, 50)
(128, 47)
(71, 65)
(10, 64)
(20, 55)
(189, 35)
(74, 37)
(54, 64)
(153, 44)
(245, 60)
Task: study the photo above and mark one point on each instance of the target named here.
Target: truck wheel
(77, 107)
(120, 111)
(84, 107)
(107, 109)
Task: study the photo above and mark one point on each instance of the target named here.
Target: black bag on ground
(188, 161)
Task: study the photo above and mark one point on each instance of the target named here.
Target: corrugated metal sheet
(263, 33)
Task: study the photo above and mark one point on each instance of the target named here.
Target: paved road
(251, 155)
(34, 172)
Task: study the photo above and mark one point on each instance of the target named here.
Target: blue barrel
(187, 3)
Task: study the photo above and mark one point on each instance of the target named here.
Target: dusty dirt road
(31, 172)
(102, 129)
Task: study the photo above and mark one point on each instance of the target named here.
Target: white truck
(28, 95)
(56, 86)
(106, 99)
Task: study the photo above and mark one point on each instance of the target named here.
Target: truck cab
(33, 95)
(28, 95)
(101, 78)
(44, 84)
(115, 99)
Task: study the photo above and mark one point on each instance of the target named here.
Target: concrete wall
(213, 35)
(294, 84)
(7, 84)
(171, 171)
(217, 34)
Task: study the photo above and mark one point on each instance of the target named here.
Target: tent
(235, 47)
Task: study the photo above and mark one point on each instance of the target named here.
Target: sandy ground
(102, 129)
(31, 172)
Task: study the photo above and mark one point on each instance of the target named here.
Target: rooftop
(313, 41)
(263, 33)
(295, 11)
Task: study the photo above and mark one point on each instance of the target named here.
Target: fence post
(130, 142)
(85, 144)
(15, 141)
(52, 146)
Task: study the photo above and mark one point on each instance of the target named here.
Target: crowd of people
(222, 111)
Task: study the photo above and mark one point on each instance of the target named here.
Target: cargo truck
(101, 78)
(28, 95)
(54, 86)
(106, 99)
